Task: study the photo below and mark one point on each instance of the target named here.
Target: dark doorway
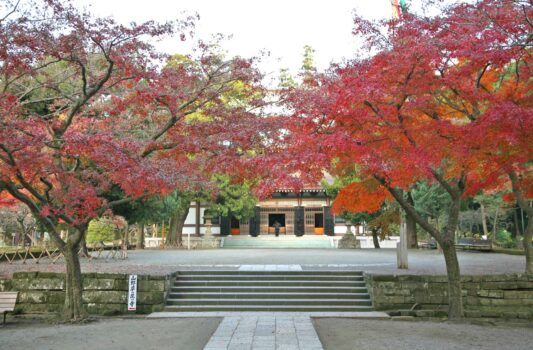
(234, 223)
(280, 218)
(319, 220)
(234, 226)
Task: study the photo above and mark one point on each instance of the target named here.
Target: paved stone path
(264, 333)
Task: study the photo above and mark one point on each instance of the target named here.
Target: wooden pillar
(197, 219)
(329, 222)
(255, 222)
(225, 224)
(299, 221)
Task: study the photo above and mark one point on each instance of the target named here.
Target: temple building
(307, 212)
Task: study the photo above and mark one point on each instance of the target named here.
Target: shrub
(504, 239)
(100, 230)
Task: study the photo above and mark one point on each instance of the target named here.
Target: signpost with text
(132, 293)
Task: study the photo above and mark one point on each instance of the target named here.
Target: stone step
(239, 295)
(271, 291)
(280, 308)
(288, 283)
(271, 277)
(266, 289)
(277, 246)
(283, 241)
(272, 302)
(260, 273)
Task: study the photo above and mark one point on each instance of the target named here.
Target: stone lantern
(348, 226)
(208, 217)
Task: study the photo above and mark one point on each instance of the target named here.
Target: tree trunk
(126, 236)
(181, 223)
(173, 229)
(495, 223)
(410, 223)
(73, 309)
(484, 220)
(528, 231)
(455, 296)
(528, 236)
(445, 238)
(516, 227)
(375, 238)
(140, 236)
(83, 245)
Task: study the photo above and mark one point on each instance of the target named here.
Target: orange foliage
(6, 200)
(367, 196)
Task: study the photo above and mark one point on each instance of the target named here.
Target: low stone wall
(104, 293)
(507, 295)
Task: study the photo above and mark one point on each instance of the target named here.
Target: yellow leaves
(198, 117)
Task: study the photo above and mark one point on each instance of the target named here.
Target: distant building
(307, 212)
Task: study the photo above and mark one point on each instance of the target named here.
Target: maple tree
(429, 103)
(85, 110)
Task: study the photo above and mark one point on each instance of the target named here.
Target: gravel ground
(161, 262)
(350, 334)
(194, 333)
(110, 334)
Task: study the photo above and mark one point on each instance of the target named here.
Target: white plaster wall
(191, 218)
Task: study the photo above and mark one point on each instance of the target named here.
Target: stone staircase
(318, 291)
(281, 242)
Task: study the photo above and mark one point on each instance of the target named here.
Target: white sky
(280, 27)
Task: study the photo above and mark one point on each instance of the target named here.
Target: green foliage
(504, 238)
(100, 230)
(152, 209)
(234, 198)
(285, 79)
(308, 63)
(386, 222)
(432, 201)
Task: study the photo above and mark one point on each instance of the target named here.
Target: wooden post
(197, 219)
(401, 246)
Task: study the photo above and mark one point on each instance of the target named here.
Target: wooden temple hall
(303, 213)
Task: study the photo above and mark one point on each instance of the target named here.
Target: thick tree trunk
(412, 240)
(173, 229)
(181, 223)
(140, 237)
(375, 238)
(410, 223)
(455, 296)
(527, 231)
(73, 309)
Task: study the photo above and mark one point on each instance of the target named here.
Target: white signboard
(132, 293)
